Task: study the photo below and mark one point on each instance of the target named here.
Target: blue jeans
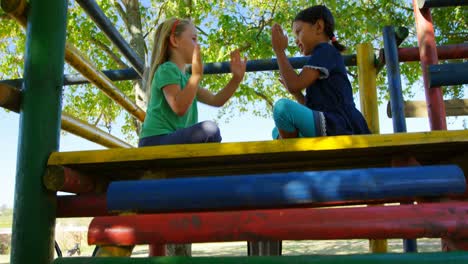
(203, 132)
(290, 116)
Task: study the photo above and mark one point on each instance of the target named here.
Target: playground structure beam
(421, 258)
(376, 222)
(428, 56)
(394, 81)
(39, 133)
(285, 189)
(453, 107)
(83, 205)
(72, 181)
(10, 98)
(441, 3)
(92, 204)
(17, 9)
(447, 52)
(448, 74)
(101, 20)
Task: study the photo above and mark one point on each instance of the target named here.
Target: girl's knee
(211, 131)
(281, 107)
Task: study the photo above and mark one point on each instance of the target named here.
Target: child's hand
(197, 64)
(279, 40)
(238, 65)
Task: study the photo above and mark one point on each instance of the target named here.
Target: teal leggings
(290, 116)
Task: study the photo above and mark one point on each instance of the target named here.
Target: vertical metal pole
(367, 75)
(428, 56)
(434, 95)
(34, 210)
(394, 80)
(396, 101)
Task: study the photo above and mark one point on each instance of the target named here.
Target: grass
(5, 221)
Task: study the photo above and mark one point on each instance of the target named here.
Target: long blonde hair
(160, 52)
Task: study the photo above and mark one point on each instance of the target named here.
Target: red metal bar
(58, 178)
(90, 205)
(428, 56)
(376, 222)
(84, 205)
(447, 52)
(156, 250)
(409, 245)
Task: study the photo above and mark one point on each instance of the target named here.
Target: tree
(223, 25)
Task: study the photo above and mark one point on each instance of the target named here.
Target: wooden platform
(324, 153)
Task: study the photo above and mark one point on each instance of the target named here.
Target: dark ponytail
(314, 13)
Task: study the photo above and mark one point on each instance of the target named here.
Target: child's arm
(293, 82)
(297, 95)
(219, 99)
(180, 100)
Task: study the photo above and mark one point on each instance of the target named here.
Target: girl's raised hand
(279, 40)
(197, 64)
(238, 65)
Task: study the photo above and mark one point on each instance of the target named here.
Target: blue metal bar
(209, 68)
(283, 189)
(448, 74)
(396, 98)
(75, 79)
(394, 81)
(441, 3)
(265, 65)
(101, 20)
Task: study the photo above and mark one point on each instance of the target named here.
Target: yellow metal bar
(226, 151)
(10, 99)
(91, 133)
(453, 107)
(16, 9)
(88, 70)
(367, 74)
(114, 251)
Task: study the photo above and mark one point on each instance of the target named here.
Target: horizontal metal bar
(434, 220)
(448, 74)
(389, 258)
(441, 3)
(209, 68)
(101, 20)
(283, 189)
(453, 107)
(265, 65)
(457, 51)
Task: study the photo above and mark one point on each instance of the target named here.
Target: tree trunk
(132, 20)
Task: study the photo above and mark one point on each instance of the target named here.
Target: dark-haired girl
(327, 108)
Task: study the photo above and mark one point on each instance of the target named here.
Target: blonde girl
(172, 115)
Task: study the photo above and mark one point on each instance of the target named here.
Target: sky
(241, 128)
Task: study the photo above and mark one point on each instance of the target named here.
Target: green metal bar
(420, 258)
(35, 207)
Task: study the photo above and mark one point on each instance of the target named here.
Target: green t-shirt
(160, 119)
